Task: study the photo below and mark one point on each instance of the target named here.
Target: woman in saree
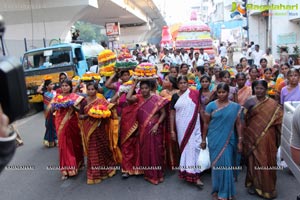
(150, 116)
(172, 149)
(185, 121)
(66, 124)
(253, 75)
(291, 92)
(271, 84)
(244, 92)
(223, 129)
(128, 133)
(263, 118)
(281, 80)
(100, 158)
(50, 138)
(225, 77)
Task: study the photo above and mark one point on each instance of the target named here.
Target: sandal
(64, 177)
(125, 175)
(199, 184)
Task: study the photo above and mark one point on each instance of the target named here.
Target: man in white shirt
(223, 50)
(257, 55)
(183, 55)
(204, 56)
(190, 60)
(166, 58)
(198, 61)
(94, 68)
(269, 58)
(177, 59)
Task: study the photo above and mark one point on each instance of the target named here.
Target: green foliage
(296, 50)
(89, 32)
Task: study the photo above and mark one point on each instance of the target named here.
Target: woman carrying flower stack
(66, 123)
(94, 121)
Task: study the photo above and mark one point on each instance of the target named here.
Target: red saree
(69, 139)
(100, 159)
(130, 140)
(261, 139)
(151, 145)
(171, 147)
(172, 153)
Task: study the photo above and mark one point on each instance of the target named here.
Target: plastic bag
(204, 160)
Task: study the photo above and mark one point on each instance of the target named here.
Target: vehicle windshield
(47, 58)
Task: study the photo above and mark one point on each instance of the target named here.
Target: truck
(51, 61)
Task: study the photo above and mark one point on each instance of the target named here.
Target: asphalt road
(28, 178)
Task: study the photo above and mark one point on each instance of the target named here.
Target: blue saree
(222, 144)
(50, 138)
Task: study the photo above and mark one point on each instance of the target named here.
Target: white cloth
(270, 60)
(204, 57)
(177, 60)
(199, 62)
(152, 59)
(223, 51)
(184, 112)
(257, 55)
(94, 68)
(190, 62)
(249, 53)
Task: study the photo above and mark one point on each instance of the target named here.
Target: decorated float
(197, 35)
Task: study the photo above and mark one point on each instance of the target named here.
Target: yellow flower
(60, 97)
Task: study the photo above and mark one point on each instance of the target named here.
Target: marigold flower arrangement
(107, 61)
(62, 102)
(99, 111)
(145, 71)
(90, 76)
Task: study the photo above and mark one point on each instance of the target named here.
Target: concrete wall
(279, 25)
(258, 30)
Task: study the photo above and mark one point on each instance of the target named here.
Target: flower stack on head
(62, 102)
(125, 87)
(107, 61)
(99, 111)
(90, 76)
(145, 71)
(125, 65)
(75, 80)
(124, 54)
(165, 69)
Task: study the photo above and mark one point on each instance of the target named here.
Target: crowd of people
(162, 124)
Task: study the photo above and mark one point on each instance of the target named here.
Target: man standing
(269, 57)
(204, 56)
(223, 50)
(230, 54)
(257, 55)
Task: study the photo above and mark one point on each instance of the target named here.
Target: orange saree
(243, 94)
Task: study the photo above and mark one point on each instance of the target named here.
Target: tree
(89, 32)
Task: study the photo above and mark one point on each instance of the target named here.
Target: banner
(112, 29)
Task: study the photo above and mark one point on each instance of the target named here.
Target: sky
(176, 10)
